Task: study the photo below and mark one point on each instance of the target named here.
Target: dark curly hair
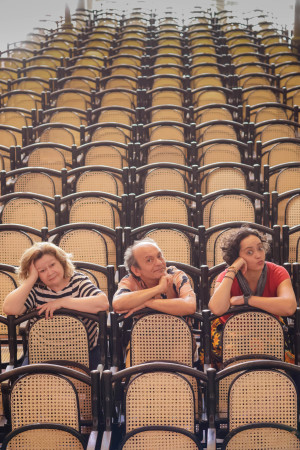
(231, 243)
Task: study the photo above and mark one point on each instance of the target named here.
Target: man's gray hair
(129, 258)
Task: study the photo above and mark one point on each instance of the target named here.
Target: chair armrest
(106, 440)
(92, 442)
(211, 439)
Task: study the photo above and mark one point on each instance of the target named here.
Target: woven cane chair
(175, 245)
(99, 181)
(164, 153)
(42, 397)
(228, 208)
(286, 179)
(159, 330)
(44, 437)
(159, 398)
(164, 178)
(165, 209)
(281, 153)
(168, 438)
(222, 178)
(248, 335)
(85, 245)
(104, 154)
(28, 211)
(93, 209)
(63, 339)
(219, 152)
(37, 183)
(13, 243)
(262, 396)
(262, 436)
(291, 235)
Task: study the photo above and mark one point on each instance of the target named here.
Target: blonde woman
(49, 282)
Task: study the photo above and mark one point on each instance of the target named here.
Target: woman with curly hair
(250, 280)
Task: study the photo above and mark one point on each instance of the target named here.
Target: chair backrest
(174, 244)
(85, 245)
(161, 337)
(228, 208)
(160, 437)
(220, 152)
(166, 153)
(262, 396)
(97, 181)
(42, 437)
(59, 136)
(7, 284)
(38, 183)
(164, 178)
(25, 211)
(62, 338)
(42, 397)
(105, 156)
(51, 158)
(288, 179)
(12, 246)
(159, 398)
(252, 332)
(283, 152)
(223, 178)
(165, 209)
(166, 132)
(262, 436)
(92, 210)
(109, 134)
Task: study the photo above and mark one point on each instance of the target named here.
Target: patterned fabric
(79, 286)
(181, 286)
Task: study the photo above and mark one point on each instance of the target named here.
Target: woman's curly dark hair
(231, 243)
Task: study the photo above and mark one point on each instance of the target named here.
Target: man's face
(151, 262)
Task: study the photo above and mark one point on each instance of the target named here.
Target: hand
(33, 273)
(164, 283)
(240, 264)
(49, 308)
(133, 310)
(237, 300)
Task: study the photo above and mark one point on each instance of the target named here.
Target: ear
(135, 270)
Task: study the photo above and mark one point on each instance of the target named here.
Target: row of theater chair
(150, 207)
(158, 391)
(121, 93)
(109, 153)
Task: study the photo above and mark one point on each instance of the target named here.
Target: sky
(19, 17)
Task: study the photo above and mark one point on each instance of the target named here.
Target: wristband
(232, 269)
(246, 299)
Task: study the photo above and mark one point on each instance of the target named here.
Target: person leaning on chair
(151, 284)
(49, 282)
(250, 280)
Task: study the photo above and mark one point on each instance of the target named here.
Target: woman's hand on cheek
(240, 264)
(33, 273)
(49, 308)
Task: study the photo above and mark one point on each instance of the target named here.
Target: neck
(61, 286)
(149, 283)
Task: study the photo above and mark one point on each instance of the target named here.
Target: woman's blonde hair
(40, 249)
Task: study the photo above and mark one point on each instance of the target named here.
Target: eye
(250, 252)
